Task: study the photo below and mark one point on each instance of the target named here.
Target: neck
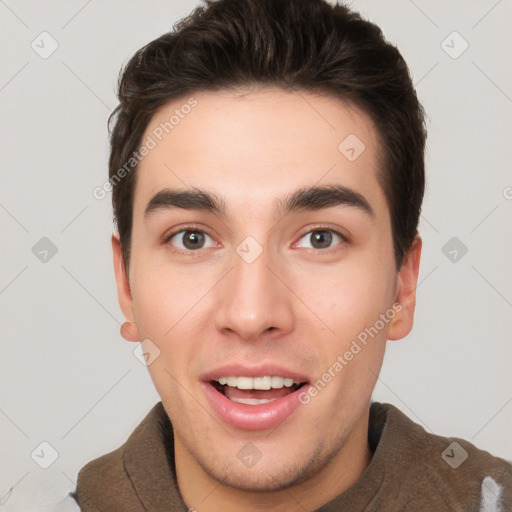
(200, 490)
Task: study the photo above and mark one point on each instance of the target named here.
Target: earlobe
(129, 330)
(407, 280)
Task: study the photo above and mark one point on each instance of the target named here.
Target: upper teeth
(257, 382)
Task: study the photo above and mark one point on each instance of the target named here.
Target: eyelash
(196, 229)
(330, 230)
(193, 228)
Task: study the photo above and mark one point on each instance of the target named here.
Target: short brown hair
(307, 45)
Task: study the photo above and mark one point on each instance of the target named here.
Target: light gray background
(68, 377)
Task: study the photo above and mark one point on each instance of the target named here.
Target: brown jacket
(411, 470)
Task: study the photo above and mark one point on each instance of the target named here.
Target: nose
(253, 299)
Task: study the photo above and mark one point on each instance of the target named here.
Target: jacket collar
(149, 462)
(149, 459)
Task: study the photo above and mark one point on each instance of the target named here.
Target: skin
(210, 307)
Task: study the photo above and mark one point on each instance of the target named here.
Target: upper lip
(261, 370)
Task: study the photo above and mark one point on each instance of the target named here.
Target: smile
(253, 403)
(255, 390)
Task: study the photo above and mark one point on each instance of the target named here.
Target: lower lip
(253, 417)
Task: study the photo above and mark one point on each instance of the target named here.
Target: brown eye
(189, 240)
(322, 238)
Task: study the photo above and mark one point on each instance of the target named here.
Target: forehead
(253, 146)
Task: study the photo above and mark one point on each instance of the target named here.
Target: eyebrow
(305, 199)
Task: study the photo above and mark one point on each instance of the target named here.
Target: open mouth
(255, 390)
(253, 402)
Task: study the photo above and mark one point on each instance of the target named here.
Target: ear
(129, 329)
(407, 280)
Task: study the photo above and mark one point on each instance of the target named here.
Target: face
(242, 277)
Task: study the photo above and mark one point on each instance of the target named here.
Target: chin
(253, 480)
(267, 477)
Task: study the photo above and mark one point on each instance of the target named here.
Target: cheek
(347, 297)
(164, 310)
(350, 301)
(165, 296)
(169, 305)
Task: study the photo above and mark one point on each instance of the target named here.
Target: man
(267, 175)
